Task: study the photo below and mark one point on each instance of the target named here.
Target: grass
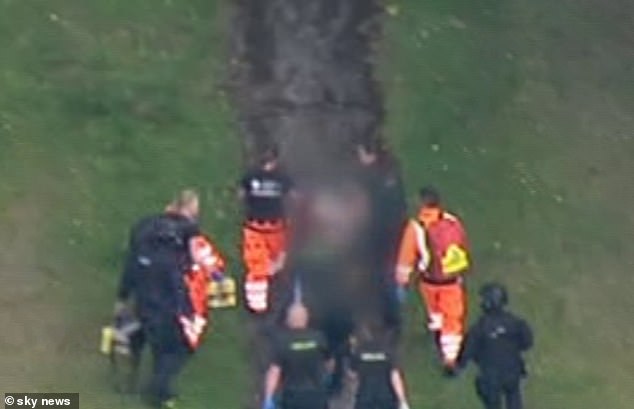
(519, 111)
(107, 109)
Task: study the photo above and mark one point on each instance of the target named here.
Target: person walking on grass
(496, 343)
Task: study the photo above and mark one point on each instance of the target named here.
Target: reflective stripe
(193, 329)
(256, 297)
(260, 285)
(423, 249)
(256, 292)
(435, 322)
(450, 346)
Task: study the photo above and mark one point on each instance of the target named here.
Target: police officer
(380, 381)
(153, 281)
(495, 343)
(299, 366)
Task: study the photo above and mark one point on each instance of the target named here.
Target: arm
(272, 381)
(408, 253)
(525, 336)
(398, 385)
(469, 348)
(128, 281)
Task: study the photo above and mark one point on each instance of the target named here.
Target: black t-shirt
(373, 361)
(301, 355)
(265, 192)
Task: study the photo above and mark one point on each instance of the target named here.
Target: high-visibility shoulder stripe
(450, 216)
(423, 248)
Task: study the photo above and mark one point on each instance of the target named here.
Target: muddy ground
(302, 78)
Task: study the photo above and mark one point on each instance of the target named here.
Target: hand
(403, 405)
(268, 403)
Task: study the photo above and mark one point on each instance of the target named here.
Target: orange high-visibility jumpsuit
(437, 251)
(263, 252)
(206, 261)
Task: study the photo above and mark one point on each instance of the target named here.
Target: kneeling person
(299, 366)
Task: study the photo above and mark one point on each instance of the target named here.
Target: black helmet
(493, 297)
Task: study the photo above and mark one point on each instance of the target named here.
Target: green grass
(528, 105)
(108, 107)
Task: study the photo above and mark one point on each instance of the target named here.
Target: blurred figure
(380, 380)
(435, 247)
(159, 283)
(495, 343)
(381, 177)
(264, 191)
(299, 366)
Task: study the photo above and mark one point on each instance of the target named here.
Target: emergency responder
(495, 343)
(155, 283)
(434, 246)
(380, 380)
(299, 366)
(263, 190)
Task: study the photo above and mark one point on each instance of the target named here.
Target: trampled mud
(302, 75)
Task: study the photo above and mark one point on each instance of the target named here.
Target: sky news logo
(41, 400)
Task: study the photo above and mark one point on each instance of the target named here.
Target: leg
(255, 253)
(259, 356)
(170, 354)
(430, 296)
(276, 246)
(452, 305)
(513, 394)
(489, 393)
(257, 264)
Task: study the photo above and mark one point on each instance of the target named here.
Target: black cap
(429, 196)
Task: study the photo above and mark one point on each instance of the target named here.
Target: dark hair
(429, 196)
(268, 154)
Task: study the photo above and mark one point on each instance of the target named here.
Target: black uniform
(264, 194)
(302, 356)
(153, 277)
(374, 361)
(389, 215)
(495, 343)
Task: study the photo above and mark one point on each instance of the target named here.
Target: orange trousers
(262, 245)
(446, 306)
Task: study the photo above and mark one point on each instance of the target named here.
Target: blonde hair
(183, 200)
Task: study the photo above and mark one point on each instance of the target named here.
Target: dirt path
(302, 76)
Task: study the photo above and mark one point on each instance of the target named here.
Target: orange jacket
(206, 260)
(436, 248)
